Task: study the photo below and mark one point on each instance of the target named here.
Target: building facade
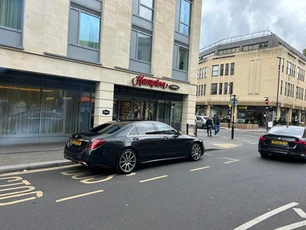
(67, 66)
(266, 75)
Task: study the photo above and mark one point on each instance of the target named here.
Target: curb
(32, 166)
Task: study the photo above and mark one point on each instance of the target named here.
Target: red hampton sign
(141, 80)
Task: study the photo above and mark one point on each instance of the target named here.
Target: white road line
(154, 178)
(197, 169)
(77, 196)
(265, 216)
(231, 160)
(300, 212)
(293, 226)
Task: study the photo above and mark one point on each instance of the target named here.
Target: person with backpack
(209, 125)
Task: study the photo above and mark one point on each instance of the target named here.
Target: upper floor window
(221, 69)
(185, 17)
(226, 69)
(213, 88)
(141, 46)
(11, 13)
(232, 68)
(215, 70)
(89, 31)
(183, 59)
(146, 9)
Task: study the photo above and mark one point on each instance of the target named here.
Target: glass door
(176, 115)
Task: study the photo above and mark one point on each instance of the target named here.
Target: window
(288, 68)
(231, 87)
(165, 129)
(11, 19)
(183, 59)
(226, 69)
(141, 46)
(205, 72)
(220, 88)
(145, 128)
(281, 87)
(11, 13)
(226, 85)
(204, 90)
(146, 9)
(221, 69)
(213, 89)
(215, 70)
(185, 17)
(84, 31)
(232, 68)
(89, 34)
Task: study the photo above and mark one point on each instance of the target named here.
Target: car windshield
(284, 130)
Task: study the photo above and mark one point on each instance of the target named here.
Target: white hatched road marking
(231, 160)
(293, 226)
(77, 196)
(300, 212)
(265, 216)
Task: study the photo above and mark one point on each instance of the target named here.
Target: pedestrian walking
(209, 125)
(216, 121)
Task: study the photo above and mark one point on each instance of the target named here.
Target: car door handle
(166, 138)
(135, 139)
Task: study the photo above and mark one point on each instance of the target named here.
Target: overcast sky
(228, 18)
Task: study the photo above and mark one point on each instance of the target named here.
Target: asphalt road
(227, 189)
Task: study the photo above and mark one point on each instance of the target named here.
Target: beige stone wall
(116, 33)
(256, 77)
(46, 26)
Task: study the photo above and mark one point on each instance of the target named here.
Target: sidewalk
(26, 157)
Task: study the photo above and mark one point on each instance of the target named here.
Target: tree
(304, 52)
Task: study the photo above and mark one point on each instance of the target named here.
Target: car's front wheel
(126, 161)
(196, 152)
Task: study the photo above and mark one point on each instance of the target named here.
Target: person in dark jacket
(209, 125)
(216, 121)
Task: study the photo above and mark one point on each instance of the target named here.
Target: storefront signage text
(141, 80)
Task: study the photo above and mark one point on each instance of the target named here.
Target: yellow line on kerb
(154, 178)
(206, 167)
(77, 196)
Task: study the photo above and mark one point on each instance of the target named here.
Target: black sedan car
(283, 141)
(122, 145)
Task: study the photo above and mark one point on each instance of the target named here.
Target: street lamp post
(233, 122)
(278, 77)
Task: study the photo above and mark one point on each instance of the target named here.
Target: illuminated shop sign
(140, 80)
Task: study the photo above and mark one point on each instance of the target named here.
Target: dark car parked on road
(283, 141)
(122, 145)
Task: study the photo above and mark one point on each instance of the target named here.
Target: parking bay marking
(197, 169)
(231, 160)
(78, 196)
(153, 178)
(265, 216)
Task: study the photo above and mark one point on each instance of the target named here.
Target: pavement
(35, 156)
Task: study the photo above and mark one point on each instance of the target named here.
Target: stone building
(66, 66)
(266, 75)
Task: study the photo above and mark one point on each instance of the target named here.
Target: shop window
(150, 111)
(84, 32)
(213, 89)
(11, 15)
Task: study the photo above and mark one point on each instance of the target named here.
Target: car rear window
(296, 131)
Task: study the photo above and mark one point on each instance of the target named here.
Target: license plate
(76, 142)
(275, 142)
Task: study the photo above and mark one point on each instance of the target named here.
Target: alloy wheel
(127, 161)
(196, 152)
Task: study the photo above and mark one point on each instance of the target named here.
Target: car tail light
(95, 144)
(261, 138)
(300, 142)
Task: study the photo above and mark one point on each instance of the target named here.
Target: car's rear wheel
(264, 155)
(126, 161)
(196, 152)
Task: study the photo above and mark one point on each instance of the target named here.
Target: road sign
(232, 101)
(267, 101)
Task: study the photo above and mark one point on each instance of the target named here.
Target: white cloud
(227, 18)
